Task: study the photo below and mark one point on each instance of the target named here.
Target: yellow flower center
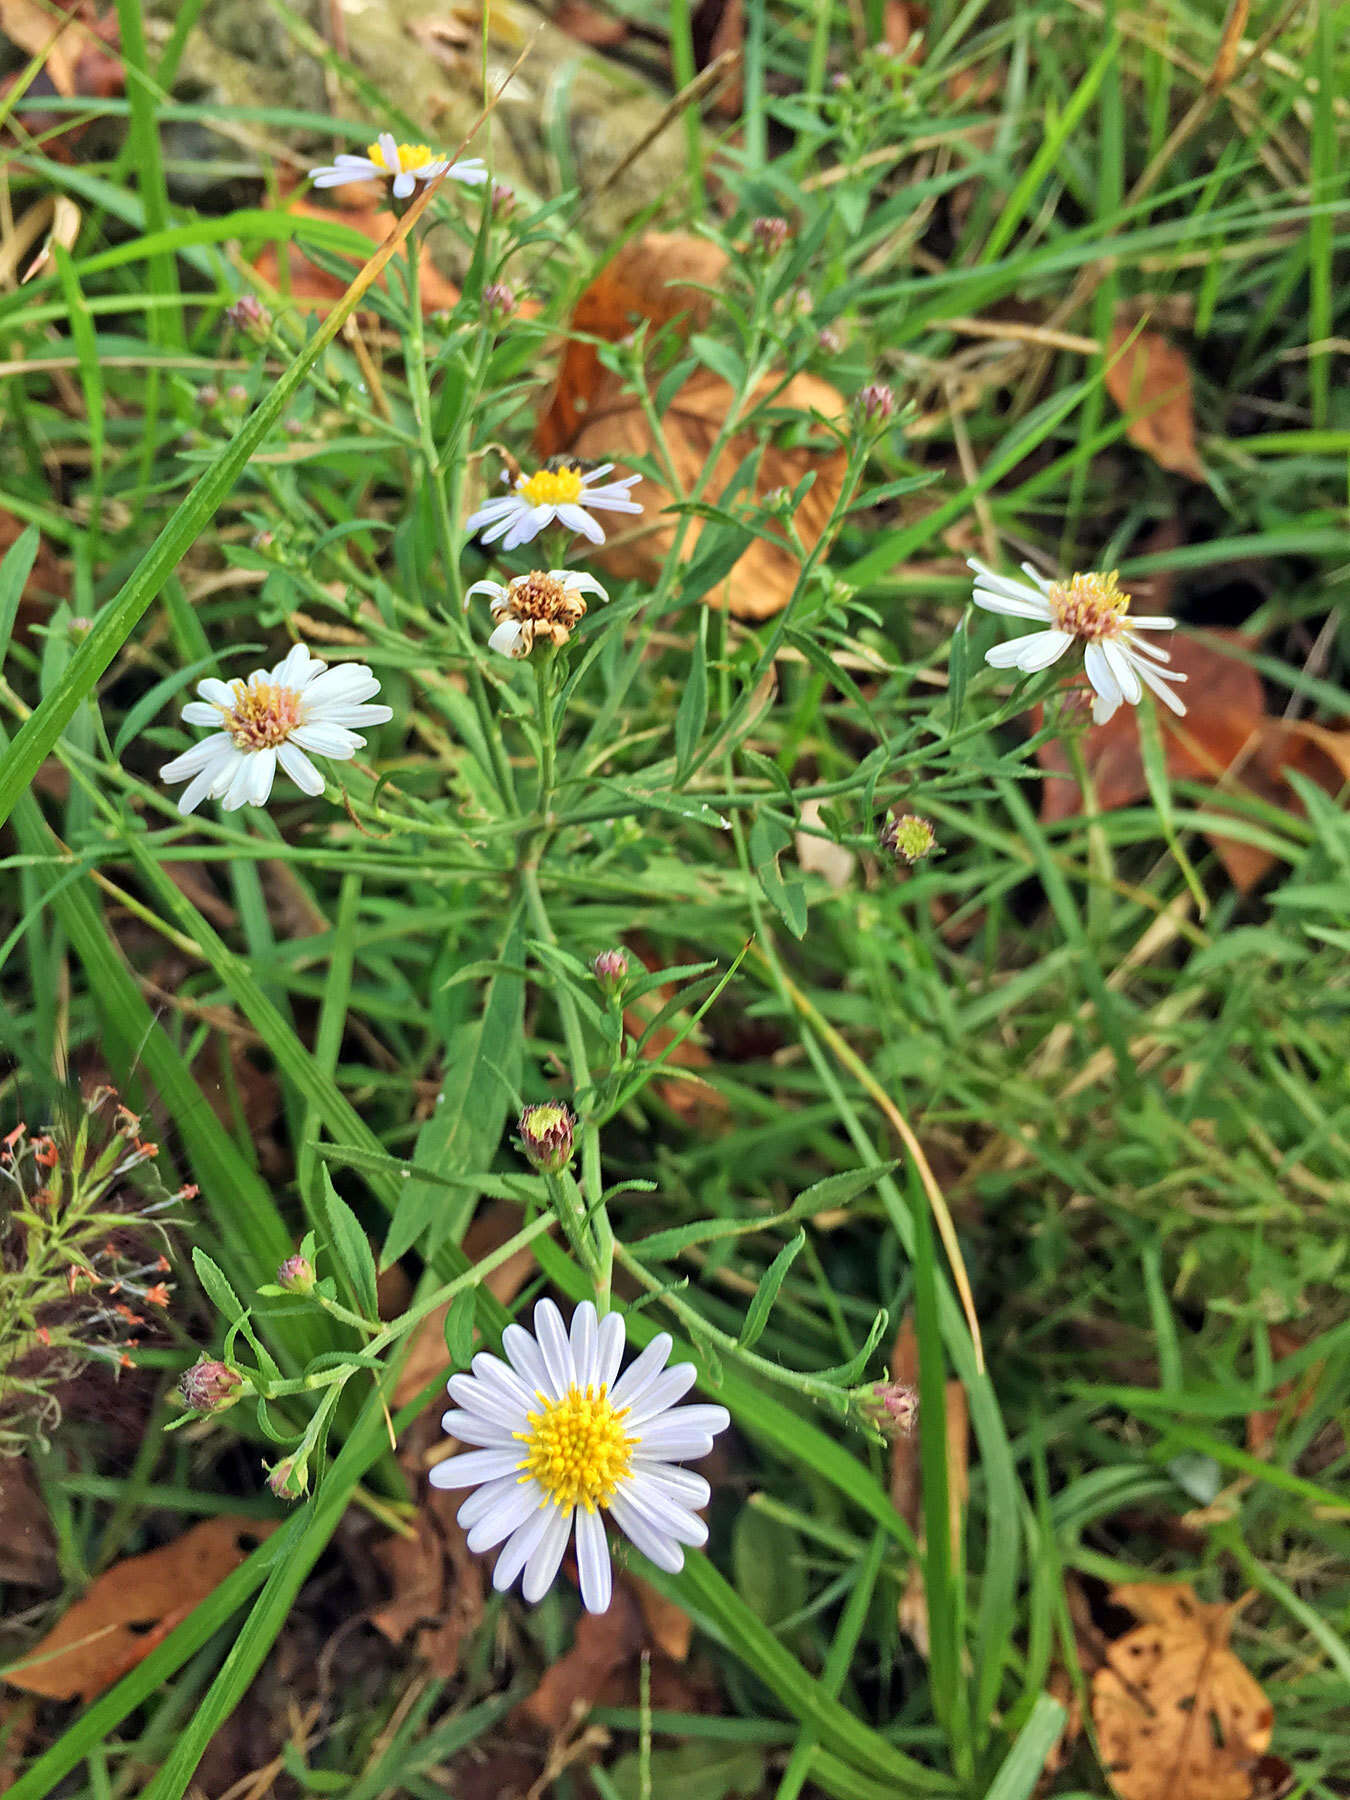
(551, 487)
(1090, 606)
(408, 156)
(577, 1449)
(262, 716)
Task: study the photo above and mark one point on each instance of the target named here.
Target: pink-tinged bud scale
(610, 969)
(209, 1386)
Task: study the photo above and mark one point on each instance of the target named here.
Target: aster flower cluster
(82, 1271)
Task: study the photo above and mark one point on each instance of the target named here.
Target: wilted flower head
(546, 1132)
(892, 1406)
(296, 1275)
(1088, 609)
(876, 403)
(209, 1386)
(272, 719)
(560, 492)
(80, 1257)
(402, 165)
(770, 234)
(563, 1442)
(541, 607)
(610, 969)
(908, 836)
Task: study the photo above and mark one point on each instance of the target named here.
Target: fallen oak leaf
(311, 288)
(762, 581)
(661, 277)
(589, 25)
(1177, 1713)
(1226, 738)
(1150, 381)
(132, 1607)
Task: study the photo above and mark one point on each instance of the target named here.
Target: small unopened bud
(610, 970)
(876, 403)
(893, 1407)
(249, 314)
(237, 394)
(296, 1275)
(208, 396)
(499, 298)
(209, 1386)
(829, 341)
(289, 1478)
(909, 837)
(770, 234)
(503, 199)
(546, 1137)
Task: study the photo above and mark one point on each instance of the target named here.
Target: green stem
(575, 1038)
(419, 389)
(543, 681)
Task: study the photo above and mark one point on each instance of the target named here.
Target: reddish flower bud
(209, 1386)
(289, 1478)
(893, 1407)
(770, 234)
(499, 298)
(876, 403)
(296, 1275)
(249, 314)
(610, 970)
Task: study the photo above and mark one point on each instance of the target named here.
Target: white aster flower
(407, 163)
(563, 1442)
(563, 493)
(273, 717)
(1091, 610)
(545, 604)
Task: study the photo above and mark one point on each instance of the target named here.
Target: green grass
(1128, 1081)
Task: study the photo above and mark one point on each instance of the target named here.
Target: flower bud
(546, 1137)
(909, 837)
(829, 340)
(208, 396)
(296, 1275)
(237, 394)
(503, 199)
(499, 298)
(876, 403)
(249, 314)
(770, 234)
(610, 970)
(289, 1478)
(209, 1386)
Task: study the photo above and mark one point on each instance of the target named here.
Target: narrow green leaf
(1021, 1768)
(350, 1248)
(768, 840)
(218, 1290)
(692, 714)
(14, 573)
(459, 1329)
(757, 1313)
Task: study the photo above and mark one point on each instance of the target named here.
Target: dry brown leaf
(651, 278)
(1178, 1715)
(669, 1626)
(133, 1607)
(902, 20)
(1150, 381)
(27, 1544)
(1226, 738)
(604, 1642)
(590, 25)
(1225, 60)
(662, 277)
(820, 856)
(761, 583)
(906, 1482)
(38, 31)
(312, 289)
(716, 27)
